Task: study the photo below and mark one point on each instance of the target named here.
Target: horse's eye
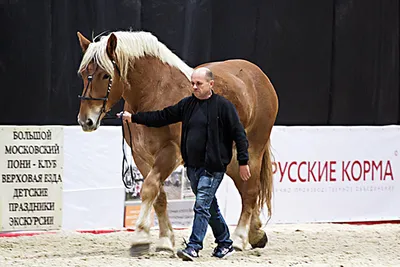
(106, 76)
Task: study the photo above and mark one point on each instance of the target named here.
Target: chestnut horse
(137, 67)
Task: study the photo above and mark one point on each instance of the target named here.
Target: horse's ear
(111, 46)
(84, 42)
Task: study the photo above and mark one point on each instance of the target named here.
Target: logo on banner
(333, 171)
(339, 175)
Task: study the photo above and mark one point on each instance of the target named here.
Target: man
(210, 124)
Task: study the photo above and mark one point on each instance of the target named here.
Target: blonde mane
(131, 45)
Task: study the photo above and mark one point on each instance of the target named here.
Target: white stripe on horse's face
(90, 121)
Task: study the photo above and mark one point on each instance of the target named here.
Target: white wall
(93, 192)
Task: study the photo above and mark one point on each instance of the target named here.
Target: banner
(336, 174)
(31, 167)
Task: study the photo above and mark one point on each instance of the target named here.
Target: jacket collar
(212, 95)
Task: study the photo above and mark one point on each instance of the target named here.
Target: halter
(129, 182)
(104, 99)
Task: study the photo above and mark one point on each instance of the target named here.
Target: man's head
(202, 82)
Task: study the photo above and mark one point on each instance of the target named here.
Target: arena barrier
(58, 177)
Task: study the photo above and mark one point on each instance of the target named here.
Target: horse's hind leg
(257, 237)
(249, 198)
(249, 193)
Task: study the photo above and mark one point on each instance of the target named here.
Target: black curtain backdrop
(332, 62)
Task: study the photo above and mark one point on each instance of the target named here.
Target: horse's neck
(155, 85)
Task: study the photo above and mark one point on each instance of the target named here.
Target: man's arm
(158, 118)
(239, 136)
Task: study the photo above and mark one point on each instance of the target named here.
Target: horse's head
(102, 86)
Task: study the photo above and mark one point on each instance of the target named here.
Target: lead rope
(128, 180)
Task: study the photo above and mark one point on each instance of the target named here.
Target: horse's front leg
(153, 195)
(166, 241)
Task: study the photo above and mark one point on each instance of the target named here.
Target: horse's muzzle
(88, 125)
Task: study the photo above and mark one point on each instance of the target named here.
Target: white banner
(336, 174)
(31, 167)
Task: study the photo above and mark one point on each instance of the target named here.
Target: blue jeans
(206, 210)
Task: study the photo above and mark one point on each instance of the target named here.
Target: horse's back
(249, 89)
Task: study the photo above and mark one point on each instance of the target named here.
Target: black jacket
(224, 127)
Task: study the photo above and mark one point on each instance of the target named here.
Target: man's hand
(244, 172)
(126, 116)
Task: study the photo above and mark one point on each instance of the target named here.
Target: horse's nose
(89, 122)
(85, 123)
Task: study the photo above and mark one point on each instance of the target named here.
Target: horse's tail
(266, 181)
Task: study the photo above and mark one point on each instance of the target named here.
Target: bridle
(104, 99)
(128, 181)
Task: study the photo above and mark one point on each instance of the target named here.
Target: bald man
(210, 124)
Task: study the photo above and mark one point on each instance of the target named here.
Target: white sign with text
(332, 174)
(31, 170)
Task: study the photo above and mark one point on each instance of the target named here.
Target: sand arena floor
(289, 245)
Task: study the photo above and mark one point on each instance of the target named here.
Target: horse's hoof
(261, 243)
(139, 250)
(164, 244)
(238, 246)
(238, 243)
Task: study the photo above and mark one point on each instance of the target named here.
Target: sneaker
(221, 252)
(188, 254)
